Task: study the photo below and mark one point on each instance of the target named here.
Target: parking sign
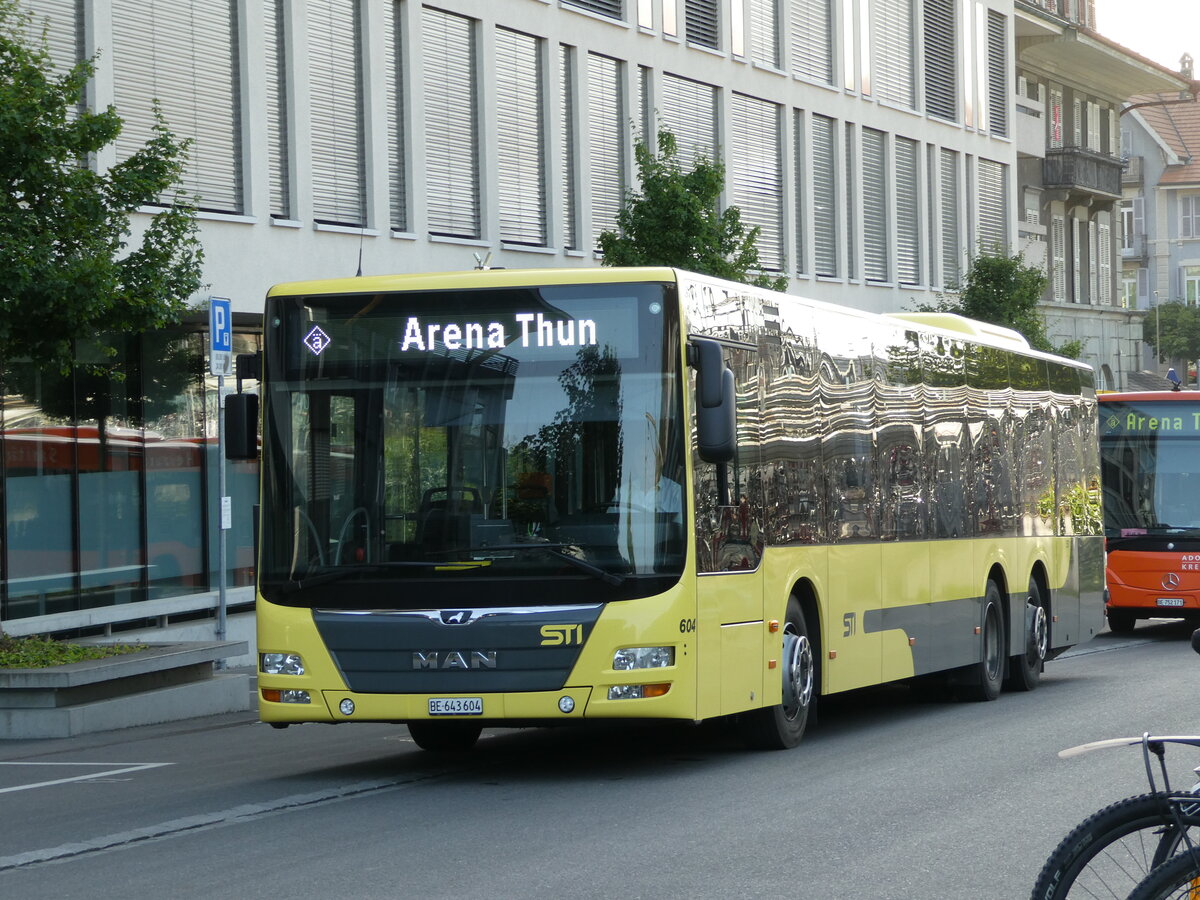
(220, 334)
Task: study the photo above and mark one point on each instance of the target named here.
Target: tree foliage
(676, 220)
(1173, 330)
(67, 267)
(1003, 290)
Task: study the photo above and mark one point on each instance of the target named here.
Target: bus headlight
(628, 658)
(281, 664)
(637, 691)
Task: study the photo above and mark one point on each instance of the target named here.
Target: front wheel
(444, 737)
(1107, 853)
(1121, 621)
(781, 727)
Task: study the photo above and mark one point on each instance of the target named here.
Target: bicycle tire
(1113, 850)
(1178, 877)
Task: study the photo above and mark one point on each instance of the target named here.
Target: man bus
(528, 497)
(1150, 469)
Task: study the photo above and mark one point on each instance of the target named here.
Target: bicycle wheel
(1178, 877)
(1111, 851)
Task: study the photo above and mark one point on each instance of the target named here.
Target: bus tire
(781, 727)
(1025, 669)
(987, 675)
(1120, 621)
(444, 737)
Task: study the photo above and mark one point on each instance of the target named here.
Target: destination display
(1151, 420)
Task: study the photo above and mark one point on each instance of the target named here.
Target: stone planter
(162, 683)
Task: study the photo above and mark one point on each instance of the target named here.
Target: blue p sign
(220, 324)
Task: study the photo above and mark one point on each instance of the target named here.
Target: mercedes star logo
(1170, 581)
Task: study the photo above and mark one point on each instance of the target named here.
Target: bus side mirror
(241, 426)
(716, 404)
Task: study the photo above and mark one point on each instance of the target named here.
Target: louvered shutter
(451, 124)
(336, 107)
(1076, 261)
(63, 25)
(757, 176)
(185, 56)
(893, 49)
(610, 8)
(520, 165)
(998, 95)
(874, 203)
(606, 121)
(275, 59)
(908, 212)
(700, 21)
(824, 175)
(993, 208)
(941, 78)
(950, 238)
(567, 128)
(1104, 252)
(1058, 255)
(397, 137)
(689, 111)
(812, 39)
(764, 32)
(800, 159)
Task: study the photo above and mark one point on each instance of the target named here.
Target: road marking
(121, 770)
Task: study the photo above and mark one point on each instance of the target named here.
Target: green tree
(676, 220)
(68, 270)
(1173, 330)
(1003, 290)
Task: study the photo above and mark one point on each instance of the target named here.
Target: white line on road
(136, 767)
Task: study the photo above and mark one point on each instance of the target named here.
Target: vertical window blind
(278, 158)
(993, 207)
(520, 162)
(894, 50)
(951, 262)
(185, 57)
(908, 211)
(800, 159)
(689, 111)
(874, 204)
(606, 133)
(397, 137)
(336, 105)
(941, 72)
(852, 201)
(998, 92)
(566, 59)
(824, 201)
(764, 32)
(451, 124)
(700, 23)
(812, 39)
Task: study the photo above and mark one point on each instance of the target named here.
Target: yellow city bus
(502, 497)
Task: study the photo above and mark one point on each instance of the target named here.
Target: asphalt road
(889, 796)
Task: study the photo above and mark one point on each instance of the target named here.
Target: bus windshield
(1151, 480)
(459, 437)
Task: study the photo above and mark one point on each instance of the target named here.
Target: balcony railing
(1131, 173)
(1133, 247)
(1076, 169)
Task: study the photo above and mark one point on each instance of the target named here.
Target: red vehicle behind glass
(1150, 458)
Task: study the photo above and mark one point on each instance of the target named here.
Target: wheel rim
(1038, 634)
(797, 672)
(991, 645)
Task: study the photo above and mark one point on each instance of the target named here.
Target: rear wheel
(781, 727)
(1121, 621)
(444, 737)
(1025, 669)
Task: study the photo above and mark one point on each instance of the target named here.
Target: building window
(941, 67)
(278, 156)
(1190, 276)
(800, 160)
(993, 208)
(1077, 244)
(606, 141)
(998, 93)
(451, 124)
(568, 158)
(611, 9)
(824, 176)
(700, 23)
(908, 212)
(875, 205)
(184, 56)
(520, 159)
(756, 174)
(1189, 215)
(1093, 126)
(336, 104)
(397, 136)
(892, 48)
(764, 32)
(951, 245)
(1129, 293)
(812, 39)
(689, 111)
(852, 201)
(1054, 120)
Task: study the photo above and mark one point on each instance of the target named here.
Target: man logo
(1170, 581)
(456, 616)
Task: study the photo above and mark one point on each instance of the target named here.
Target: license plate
(1170, 601)
(456, 706)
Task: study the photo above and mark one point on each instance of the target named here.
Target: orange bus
(1150, 470)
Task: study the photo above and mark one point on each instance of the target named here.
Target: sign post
(220, 354)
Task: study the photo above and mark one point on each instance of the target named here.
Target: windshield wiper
(555, 550)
